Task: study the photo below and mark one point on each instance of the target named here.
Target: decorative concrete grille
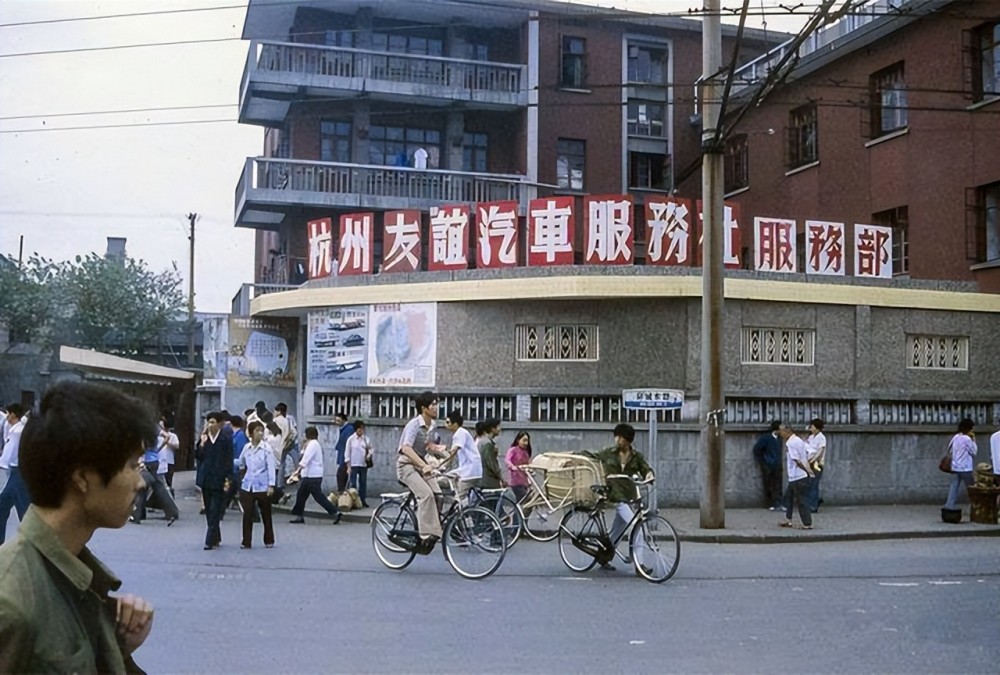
(778, 346)
(929, 412)
(328, 405)
(474, 407)
(563, 342)
(790, 411)
(597, 409)
(937, 352)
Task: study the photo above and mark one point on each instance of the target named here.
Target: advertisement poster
(337, 343)
(215, 347)
(262, 352)
(402, 346)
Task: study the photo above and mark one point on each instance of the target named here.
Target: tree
(119, 304)
(115, 305)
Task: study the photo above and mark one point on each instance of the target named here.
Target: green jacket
(492, 478)
(55, 613)
(621, 490)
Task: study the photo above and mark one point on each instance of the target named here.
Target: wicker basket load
(568, 476)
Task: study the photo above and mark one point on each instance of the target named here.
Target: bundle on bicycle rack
(568, 477)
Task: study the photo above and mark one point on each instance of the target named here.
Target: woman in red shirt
(518, 455)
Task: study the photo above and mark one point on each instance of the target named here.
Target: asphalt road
(321, 602)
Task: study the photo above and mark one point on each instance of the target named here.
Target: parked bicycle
(473, 540)
(653, 546)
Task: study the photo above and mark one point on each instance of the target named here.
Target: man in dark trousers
(346, 430)
(215, 466)
(767, 452)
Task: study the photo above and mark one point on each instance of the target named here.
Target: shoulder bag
(945, 463)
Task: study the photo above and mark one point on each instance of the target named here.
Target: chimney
(116, 248)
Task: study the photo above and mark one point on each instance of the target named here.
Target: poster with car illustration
(336, 342)
(262, 352)
(402, 345)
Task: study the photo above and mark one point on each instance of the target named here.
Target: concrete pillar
(360, 122)
(454, 131)
(364, 20)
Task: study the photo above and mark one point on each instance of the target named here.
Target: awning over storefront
(97, 366)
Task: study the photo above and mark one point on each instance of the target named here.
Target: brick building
(429, 108)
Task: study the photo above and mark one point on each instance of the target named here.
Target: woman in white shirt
(257, 467)
(963, 457)
(311, 469)
(357, 451)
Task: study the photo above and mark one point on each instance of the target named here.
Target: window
(737, 164)
(887, 90)
(571, 156)
(339, 38)
(560, 342)
(898, 220)
(474, 152)
(407, 44)
(985, 211)
(394, 146)
(646, 119)
(778, 346)
(648, 171)
(803, 137)
(986, 61)
(335, 141)
(574, 62)
(937, 352)
(647, 65)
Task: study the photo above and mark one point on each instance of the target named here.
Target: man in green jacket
(80, 460)
(622, 458)
(492, 478)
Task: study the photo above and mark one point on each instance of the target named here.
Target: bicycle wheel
(656, 550)
(508, 513)
(542, 523)
(474, 543)
(574, 528)
(392, 518)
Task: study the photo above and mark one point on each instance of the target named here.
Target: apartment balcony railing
(268, 187)
(278, 72)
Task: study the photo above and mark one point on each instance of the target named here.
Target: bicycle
(505, 507)
(539, 515)
(473, 540)
(653, 546)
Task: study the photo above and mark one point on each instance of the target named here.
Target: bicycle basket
(568, 477)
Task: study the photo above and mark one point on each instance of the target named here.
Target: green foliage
(112, 305)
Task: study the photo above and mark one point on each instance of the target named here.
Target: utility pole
(192, 219)
(713, 498)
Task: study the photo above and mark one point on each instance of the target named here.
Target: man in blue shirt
(767, 452)
(240, 441)
(346, 429)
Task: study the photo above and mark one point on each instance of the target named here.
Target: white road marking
(898, 584)
(637, 642)
(945, 583)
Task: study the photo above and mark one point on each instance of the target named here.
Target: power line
(121, 111)
(129, 15)
(116, 126)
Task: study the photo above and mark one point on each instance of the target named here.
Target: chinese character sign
(449, 238)
(320, 234)
(355, 244)
(668, 231)
(732, 239)
(609, 230)
(496, 232)
(550, 231)
(401, 241)
(873, 251)
(774, 245)
(824, 248)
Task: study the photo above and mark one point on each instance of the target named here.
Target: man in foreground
(80, 460)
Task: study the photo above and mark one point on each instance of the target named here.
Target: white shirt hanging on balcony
(419, 158)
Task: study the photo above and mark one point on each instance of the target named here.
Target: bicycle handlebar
(634, 479)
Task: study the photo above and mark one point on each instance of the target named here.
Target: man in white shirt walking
(799, 476)
(311, 471)
(816, 443)
(470, 465)
(15, 492)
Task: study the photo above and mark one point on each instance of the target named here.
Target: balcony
(278, 73)
(268, 188)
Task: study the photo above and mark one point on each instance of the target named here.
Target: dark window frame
(986, 214)
(647, 71)
(405, 140)
(335, 130)
(803, 136)
(475, 152)
(986, 58)
(637, 128)
(737, 164)
(887, 92)
(649, 171)
(573, 62)
(573, 152)
(898, 219)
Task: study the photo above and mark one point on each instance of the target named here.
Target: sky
(65, 189)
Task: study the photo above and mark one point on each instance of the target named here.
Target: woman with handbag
(357, 455)
(963, 456)
(257, 469)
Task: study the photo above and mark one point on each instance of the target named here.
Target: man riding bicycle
(414, 471)
(623, 458)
